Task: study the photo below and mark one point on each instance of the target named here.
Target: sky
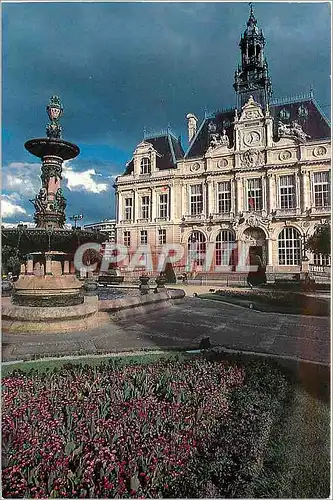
(120, 68)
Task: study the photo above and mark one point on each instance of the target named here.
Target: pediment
(251, 111)
(144, 145)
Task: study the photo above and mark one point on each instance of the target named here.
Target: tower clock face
(251, 138)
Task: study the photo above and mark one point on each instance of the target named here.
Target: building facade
(107, 226)
(253, 179)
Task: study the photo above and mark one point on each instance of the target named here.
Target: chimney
(191, 126)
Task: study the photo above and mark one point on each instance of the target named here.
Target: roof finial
(252, 19)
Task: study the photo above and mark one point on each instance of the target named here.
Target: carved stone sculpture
(215, 140)
(50, 170)
(60, 201)
(293, 130)
(252, 158)
(40, 202)
(225, 139)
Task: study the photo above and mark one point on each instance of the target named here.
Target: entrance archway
(255, 240)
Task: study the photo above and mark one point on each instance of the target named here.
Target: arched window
(145, 166)
(197, 247)
(225, 247)
(289, 247)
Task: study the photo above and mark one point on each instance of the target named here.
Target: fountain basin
(39, 320)
(47, 291)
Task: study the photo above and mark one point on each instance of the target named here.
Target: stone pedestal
(30, 265)
(48, 265)
(56, 268)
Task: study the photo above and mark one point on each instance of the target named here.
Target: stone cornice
(153, 182)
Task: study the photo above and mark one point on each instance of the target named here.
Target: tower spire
(252, 78)
(252, 19)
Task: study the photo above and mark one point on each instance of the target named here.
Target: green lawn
(121, 359)
(297, 460)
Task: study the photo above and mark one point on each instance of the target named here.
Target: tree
(91, 256)
(11, 260)
(320, 241)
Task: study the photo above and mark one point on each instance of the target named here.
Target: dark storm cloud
(120, 67)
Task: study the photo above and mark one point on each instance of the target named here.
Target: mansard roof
(169, 151)
(313, 122)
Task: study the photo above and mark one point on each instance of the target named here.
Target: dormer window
(145, 166)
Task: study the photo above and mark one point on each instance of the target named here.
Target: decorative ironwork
(55, 111)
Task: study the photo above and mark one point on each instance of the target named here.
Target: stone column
(298, 191)
(306, 201)
(72, 267)
(30, 265)
(211, 208)
(269, 252)
(48, 265)
(272, 192)
(269, 131)
(66, 267)
(22, 269)
(37, 269)
(264, 193)
(183, 196)
(136, 206)
(233, 196)
(153, 204)
(118, 213)
(171, 205)
(239, 195)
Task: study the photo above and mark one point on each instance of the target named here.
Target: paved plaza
(182, 325)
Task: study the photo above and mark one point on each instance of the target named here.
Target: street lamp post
(75, 218)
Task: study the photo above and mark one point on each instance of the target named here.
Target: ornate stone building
(256, 176)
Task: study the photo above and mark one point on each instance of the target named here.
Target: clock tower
(251, 77)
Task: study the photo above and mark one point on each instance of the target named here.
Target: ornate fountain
(48, 288)
(50, 203)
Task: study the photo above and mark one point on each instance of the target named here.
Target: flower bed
(275, 301)
(168, 429)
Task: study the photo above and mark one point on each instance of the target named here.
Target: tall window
(162, 236)
(145, 205)
(225, 248)
(127, 238)
(163, 206)
(287, 191)
(128, 208)
(196, 199)
(254, 195)
(197, 247)
(145, 166)
(321, 260)
(289, 247)
(143, 237)
(224, 197)
(321, 187)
